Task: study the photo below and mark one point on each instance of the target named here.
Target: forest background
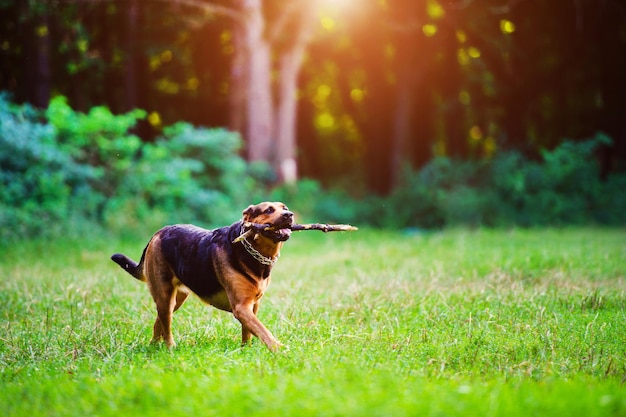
(395, 113)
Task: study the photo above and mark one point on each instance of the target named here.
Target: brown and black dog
(181, 259)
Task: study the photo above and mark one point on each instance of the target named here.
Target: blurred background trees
(360, 96)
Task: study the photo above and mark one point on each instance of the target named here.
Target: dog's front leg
(246, 334)
(245, 313)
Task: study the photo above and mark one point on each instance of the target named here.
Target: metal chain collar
(258, 255)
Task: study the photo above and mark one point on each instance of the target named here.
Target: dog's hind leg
(162, 285)
(166, 306)
(165, 299)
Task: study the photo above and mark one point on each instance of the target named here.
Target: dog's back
(190, 253)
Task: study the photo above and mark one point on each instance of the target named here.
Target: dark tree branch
(206, 7)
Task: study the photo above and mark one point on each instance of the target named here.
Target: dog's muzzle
(281, 229)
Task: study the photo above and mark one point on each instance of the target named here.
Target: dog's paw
(279, 348)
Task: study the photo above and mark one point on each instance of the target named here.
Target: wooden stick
(324, 227)
(256, 228)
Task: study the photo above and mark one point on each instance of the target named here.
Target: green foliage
(62, 166)
(37, 175)
(100, 140)
(564, 188)
(189, 174)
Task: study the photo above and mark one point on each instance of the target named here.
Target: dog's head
(275, 214)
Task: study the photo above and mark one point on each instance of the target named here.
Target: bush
(62, 170)
(98, 139)
(37, 175)
(189, 174)
(563, 188)
(60, 167)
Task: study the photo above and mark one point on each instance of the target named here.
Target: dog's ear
(248, 213)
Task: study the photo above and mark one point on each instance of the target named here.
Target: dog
(183, 259)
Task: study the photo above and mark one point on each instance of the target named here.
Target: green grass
(485, 323)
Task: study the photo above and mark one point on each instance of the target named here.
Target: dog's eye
(269, 210)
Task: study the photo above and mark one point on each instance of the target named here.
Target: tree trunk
(259, 105)
(270, 132)
(408, 69)
(285, 162)
(238, 82)
(401, 148)
(290, 64)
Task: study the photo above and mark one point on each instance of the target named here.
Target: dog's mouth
(278, 233)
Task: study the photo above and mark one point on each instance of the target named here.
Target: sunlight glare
(507, 27)
(325, 121)
(434, 10)
(334, 7)
(357, 95)
(475, 133)
(461, 36)
(328, 23)
(473, 52)
(429, 30)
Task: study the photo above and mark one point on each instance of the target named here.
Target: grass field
(472, 323)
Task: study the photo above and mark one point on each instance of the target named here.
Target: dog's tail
(130, 266)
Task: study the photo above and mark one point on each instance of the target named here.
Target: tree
(269, 123)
